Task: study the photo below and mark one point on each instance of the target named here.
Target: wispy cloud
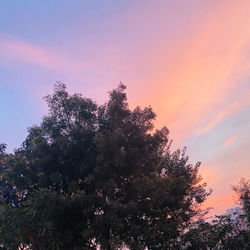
(17, 51)
(205, 72)
(231, 140)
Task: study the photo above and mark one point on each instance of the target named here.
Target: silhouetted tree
(223, 232)
(243, 192)
(98, 175)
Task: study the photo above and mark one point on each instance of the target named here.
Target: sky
(189, 60)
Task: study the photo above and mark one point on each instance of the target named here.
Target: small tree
(243, 192)
(94, 175)
(223, 232)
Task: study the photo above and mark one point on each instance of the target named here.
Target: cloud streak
(21, 52)
(202, 76)
(231, 140)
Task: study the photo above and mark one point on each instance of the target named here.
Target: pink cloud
(185, 78)
(231, 140)
(201, 78)
(220, 203)
(21, 52)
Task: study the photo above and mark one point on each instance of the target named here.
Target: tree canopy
(243, 192)
(97, 175)
(224, 231)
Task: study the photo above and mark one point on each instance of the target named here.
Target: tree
(243, 192)
(225, 231)
(94, 175)
(221, 233)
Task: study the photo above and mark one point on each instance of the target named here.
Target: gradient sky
(189, 60)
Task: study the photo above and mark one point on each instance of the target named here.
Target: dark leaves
(98, 175)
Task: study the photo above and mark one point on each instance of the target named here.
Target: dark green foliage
(98, 175)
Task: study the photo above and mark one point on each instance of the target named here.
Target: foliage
(220, 233)
(243, 192)
(223, 232)
(93, 176)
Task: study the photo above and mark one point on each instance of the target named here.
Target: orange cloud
(228, 168)
(200, 80)
(208, 174)
(220, 203)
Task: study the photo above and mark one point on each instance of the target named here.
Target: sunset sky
(189, 60)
